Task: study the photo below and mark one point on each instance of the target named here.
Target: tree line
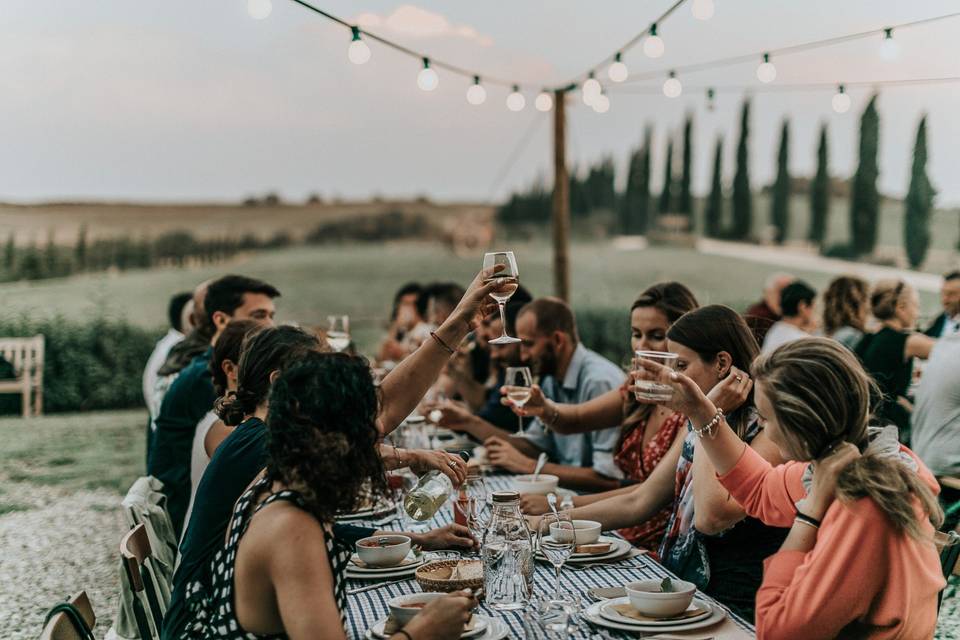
(732, 218)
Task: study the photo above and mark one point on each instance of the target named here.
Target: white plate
(494, 629)
(411, 561)
(620, 550)
(608, 612)
(392, 572)
(593, 616)
(614, 546)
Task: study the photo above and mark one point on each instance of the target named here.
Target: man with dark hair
(191, 395)
(948, 322)
(799, 316)
(174, 335)
(442, 299)
(570, 373)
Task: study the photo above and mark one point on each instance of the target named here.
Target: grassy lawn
(72, 452)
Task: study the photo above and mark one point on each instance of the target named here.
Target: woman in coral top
(859, 561)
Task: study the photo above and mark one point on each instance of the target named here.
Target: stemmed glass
(507, 281)
(338, 332)
(556, 541)
(518, 381)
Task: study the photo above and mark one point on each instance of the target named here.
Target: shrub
(606, 331)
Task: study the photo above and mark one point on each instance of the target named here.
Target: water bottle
(507, 554)
(432, 490)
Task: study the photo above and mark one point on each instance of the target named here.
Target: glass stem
(520, 422)
(503, 319)
(556, 591)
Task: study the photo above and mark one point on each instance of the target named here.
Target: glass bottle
(507, 554)
(432, 491)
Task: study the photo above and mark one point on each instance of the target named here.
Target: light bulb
(711, 99)
(840, 101)
(601, 103)
(358, 52)
(476, 94)
(653, 44)
(591, 87)
(588, 98)
(259, 9)
(672, 87)
(702, 9)
(889, 48)
(766, 72)
(516, 101)
(544, 101)
(618, 71)
(427, 79)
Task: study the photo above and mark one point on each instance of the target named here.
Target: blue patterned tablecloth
(368, 607)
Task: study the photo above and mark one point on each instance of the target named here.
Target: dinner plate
(479, 629)
(593, 616)
(614, 547)
(608, 612)
(496, 630)
(620, 550)
(376, 574)
(411, 561)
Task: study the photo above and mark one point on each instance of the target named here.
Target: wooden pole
(561, 199)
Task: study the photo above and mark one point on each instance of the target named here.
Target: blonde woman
(845, 310)
(859, 561)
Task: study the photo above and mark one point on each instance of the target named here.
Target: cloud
(415, 22)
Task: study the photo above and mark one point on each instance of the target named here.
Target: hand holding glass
(507, 280)
(648, 390)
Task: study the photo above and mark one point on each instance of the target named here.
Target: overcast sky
(193, 99)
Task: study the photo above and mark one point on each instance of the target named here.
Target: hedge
(606, 331)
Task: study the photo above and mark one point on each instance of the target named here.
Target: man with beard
(569, 373)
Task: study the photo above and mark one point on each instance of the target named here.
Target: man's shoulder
(598, 368)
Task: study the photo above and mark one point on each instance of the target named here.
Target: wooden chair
(137, 557)
(26, 357)
(949, 546)
(61, 625)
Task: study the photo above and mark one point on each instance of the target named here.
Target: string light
(259, 9)
(476, 94)
(516, 101)
(672, 87)
(653, 44)
(601, 103)
(702, 9)
(544, 101)
(840, 101)
(427, 79)
(711, 99)
(618, 71)
(358, 52)
(591, 88)
(766, 72)
(889, 48)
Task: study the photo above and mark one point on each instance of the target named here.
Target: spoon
(542, 460)
(552, 501)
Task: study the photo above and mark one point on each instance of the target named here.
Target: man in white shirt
(948, 322)
(797, 300)
(178, 312)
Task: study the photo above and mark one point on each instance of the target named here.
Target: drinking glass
(518, 381)
(507, 281)
(472, 504)
(551, 618)
(650, 390)
(338, 332)
(556, 541)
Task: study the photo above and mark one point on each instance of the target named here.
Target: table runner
(364, 609)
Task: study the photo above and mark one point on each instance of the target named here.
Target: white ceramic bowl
(544, 484)
(384, 555)
(584, 532)
(646, 597)
(401, 610)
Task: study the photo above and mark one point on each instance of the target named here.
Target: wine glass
(472, 504)
(338, 332)
(518, 381)
(507, 281)
(556, 541)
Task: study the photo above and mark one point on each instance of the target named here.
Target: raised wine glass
(518, 381)
(556, 542)
(338, 332)
(507, 281)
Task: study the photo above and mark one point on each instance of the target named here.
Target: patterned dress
(637, 463)
(212, 607)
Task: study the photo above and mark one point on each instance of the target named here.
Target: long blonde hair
(821, 397)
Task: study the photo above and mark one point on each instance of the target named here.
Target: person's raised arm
(918, 345)
(403, 388)
(602, 412)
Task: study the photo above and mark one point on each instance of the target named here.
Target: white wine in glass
(338, 334)
(507, 280)
(517, 382)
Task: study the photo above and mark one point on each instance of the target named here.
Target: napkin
(628, 611)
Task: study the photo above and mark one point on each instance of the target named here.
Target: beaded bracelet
(708, 428)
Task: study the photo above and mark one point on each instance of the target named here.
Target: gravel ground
(52, 546)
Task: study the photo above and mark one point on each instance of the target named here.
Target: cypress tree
(713, 215)
(864, 198)
(643, 183)
(666, 195)
(916, 222)
(10, 255)
(780, 208)
(629, 193)
(80, 250)
(685, 205)
(742, 198)
(820, 193)
(50, 256)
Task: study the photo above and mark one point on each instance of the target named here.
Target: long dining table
(367, 606)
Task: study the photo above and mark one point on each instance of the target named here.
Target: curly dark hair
(268, 350)
(322, 434)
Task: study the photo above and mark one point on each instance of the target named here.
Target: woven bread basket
(435, 576)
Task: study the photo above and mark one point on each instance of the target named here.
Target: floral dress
(212, 609)
(637, 463)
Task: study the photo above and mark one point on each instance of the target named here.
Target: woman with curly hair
(281, 571)
(845, 310)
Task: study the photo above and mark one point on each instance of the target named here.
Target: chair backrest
(146, 504)
(25, 354)
(137, 558)
(61, 626)
(949, 545)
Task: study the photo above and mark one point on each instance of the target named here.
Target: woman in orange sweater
(859, 561)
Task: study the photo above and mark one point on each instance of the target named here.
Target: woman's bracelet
(403, 632)
(400, 462)
(708, 429)
(554, 416)
(807, 520)
(433, 334)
